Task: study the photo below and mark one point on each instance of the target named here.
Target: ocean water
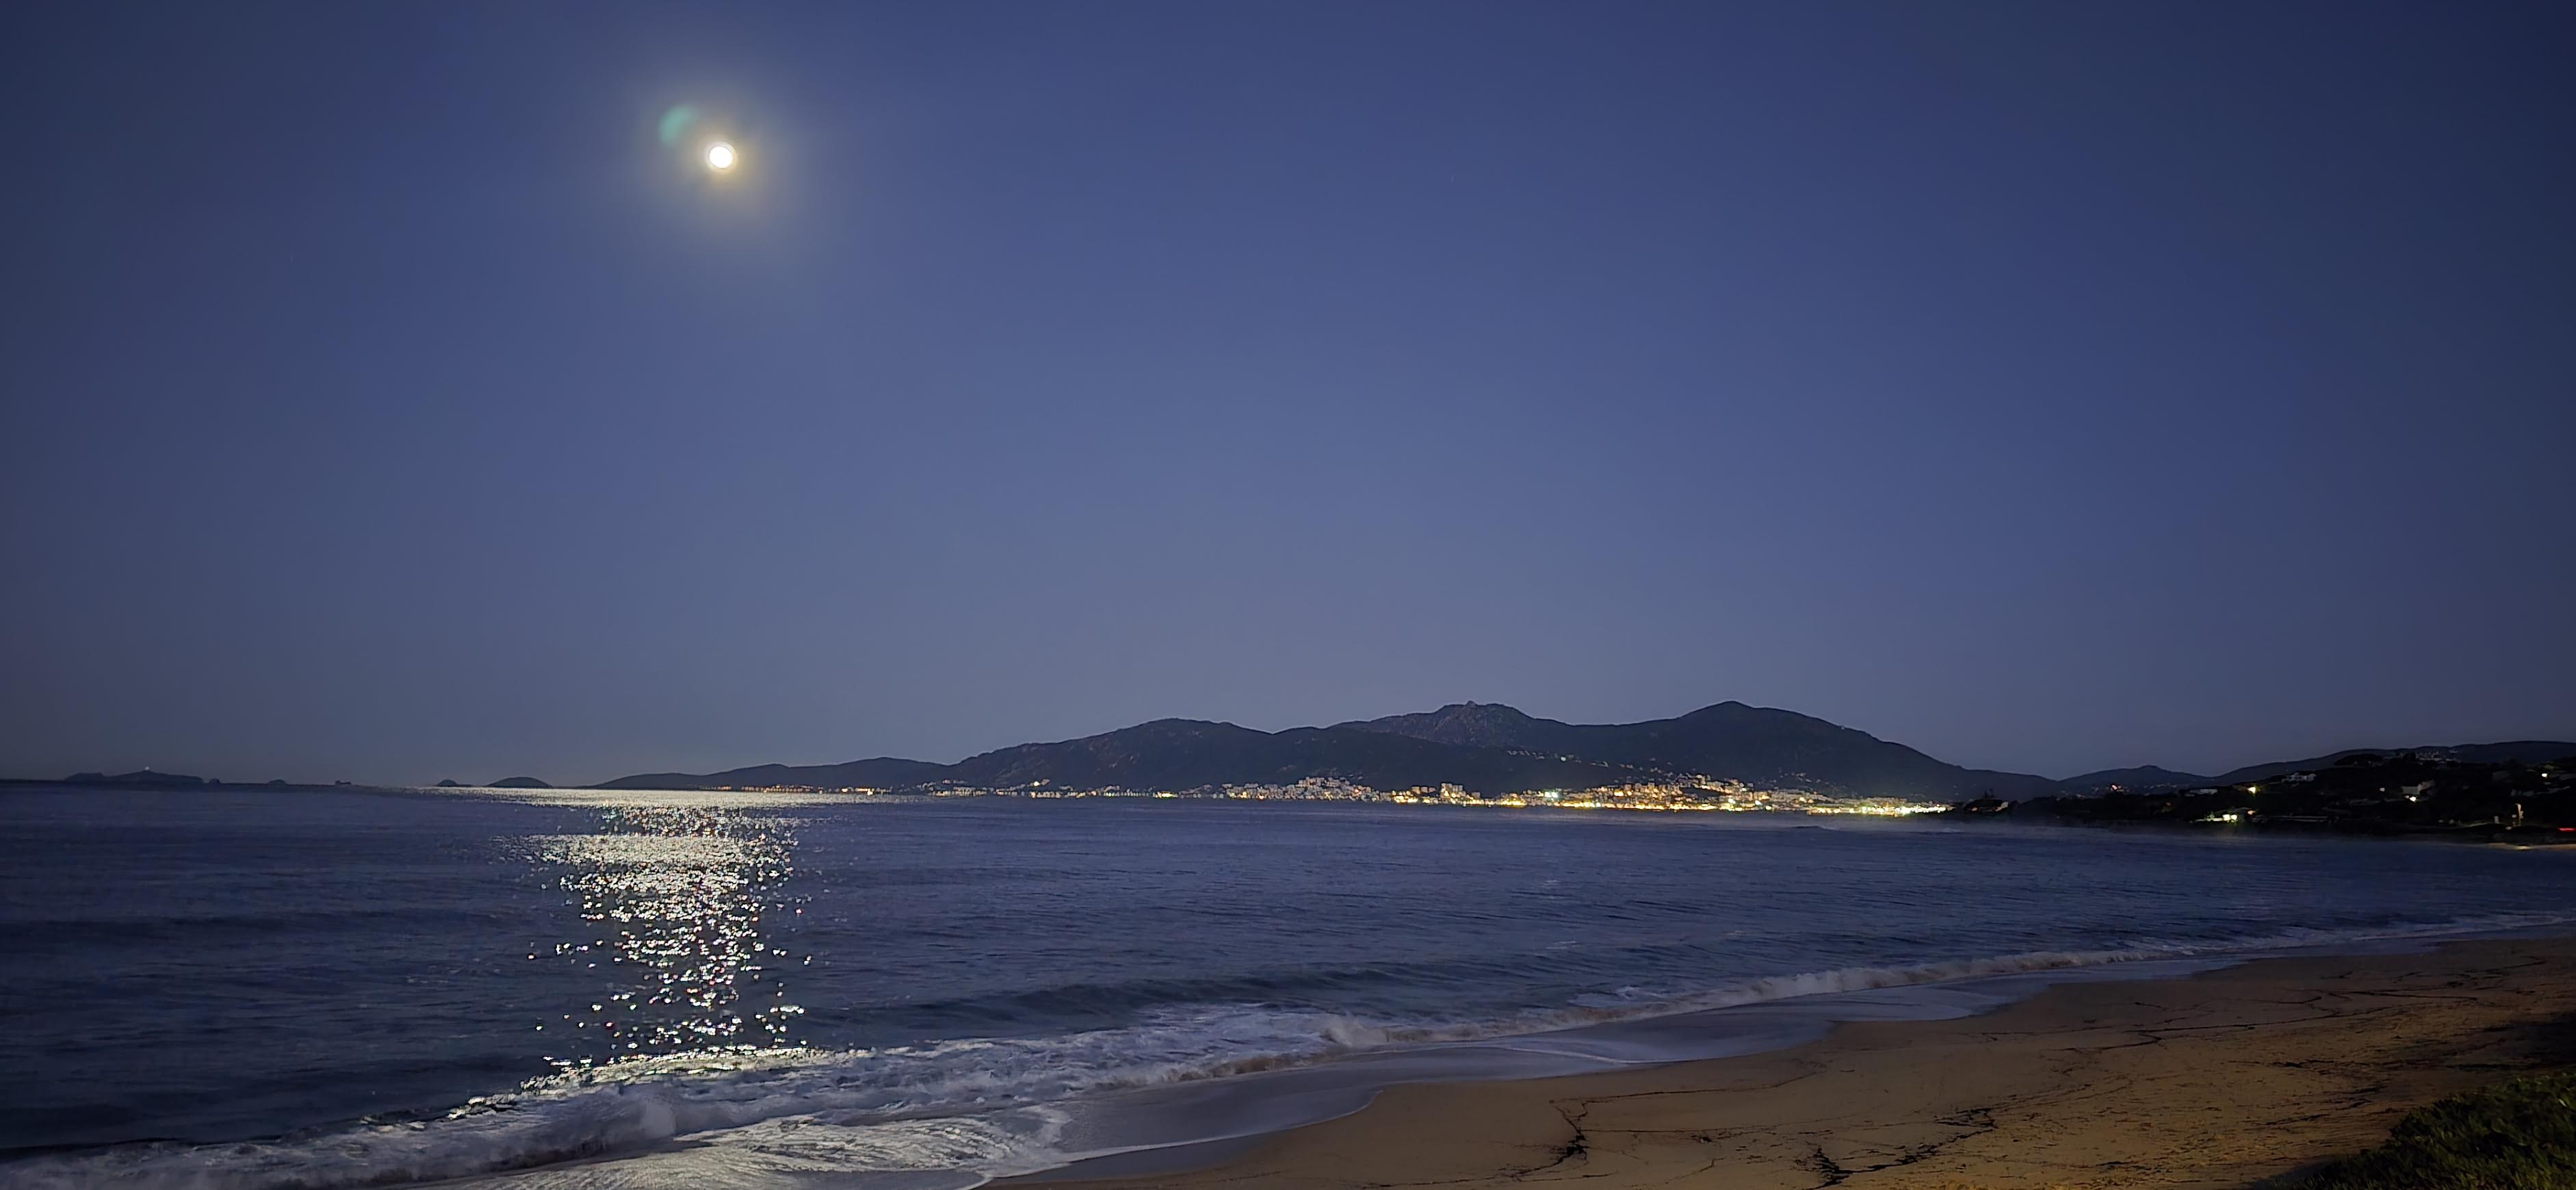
(322, 989)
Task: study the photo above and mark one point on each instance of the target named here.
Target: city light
(1680, 795)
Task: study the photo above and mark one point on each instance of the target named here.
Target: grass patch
(2516, 1135)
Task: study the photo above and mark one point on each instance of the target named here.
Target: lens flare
(675, 124)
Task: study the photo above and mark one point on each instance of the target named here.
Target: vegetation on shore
(2402, 793)
(2516, 1135)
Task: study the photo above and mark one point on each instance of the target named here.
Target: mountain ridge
(2500, 752)
(1494, 748)
(2144, 776)
(1487, 748)
(1763, 746)
(1192, 753)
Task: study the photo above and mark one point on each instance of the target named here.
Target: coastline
(2220, 1079)
(1277, 1028)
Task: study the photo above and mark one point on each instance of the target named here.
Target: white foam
(952, 1153)
(948, 1114)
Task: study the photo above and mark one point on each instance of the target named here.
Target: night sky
(2046, 386)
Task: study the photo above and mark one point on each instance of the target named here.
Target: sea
(299, 988)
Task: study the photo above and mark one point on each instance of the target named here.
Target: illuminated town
(1699, 794)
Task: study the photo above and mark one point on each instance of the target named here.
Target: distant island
(1729, 756)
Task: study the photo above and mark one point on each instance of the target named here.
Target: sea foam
(952, 1114)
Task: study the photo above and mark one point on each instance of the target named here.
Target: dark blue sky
(2047, 386)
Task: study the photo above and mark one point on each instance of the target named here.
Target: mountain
(1190, 754)
(1490, 748)
(2145, 776)
(1756, 745)
(1479, 725)
(2526, 751)
(518, 783)
(1179, 754)
(883, 772)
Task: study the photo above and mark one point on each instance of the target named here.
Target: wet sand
(2222, 1080)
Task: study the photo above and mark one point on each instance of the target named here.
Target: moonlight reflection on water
(675, 896)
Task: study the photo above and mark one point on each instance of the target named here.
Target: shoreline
(2221, 1078)
(2499, 835)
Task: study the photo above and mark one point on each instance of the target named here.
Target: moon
(720, 157)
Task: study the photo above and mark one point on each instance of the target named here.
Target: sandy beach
(2222, 1080)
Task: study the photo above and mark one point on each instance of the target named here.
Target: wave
(953, 1113)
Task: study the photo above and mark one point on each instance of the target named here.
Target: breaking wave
(952, 1114)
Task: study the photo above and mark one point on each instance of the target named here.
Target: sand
(2222, 1080)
